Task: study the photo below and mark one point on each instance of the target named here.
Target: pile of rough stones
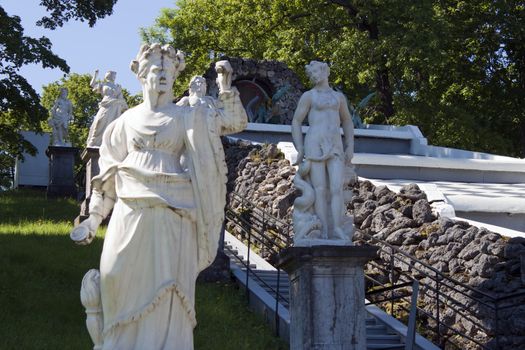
(474, 256)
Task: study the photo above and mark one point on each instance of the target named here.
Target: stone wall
(473, 256)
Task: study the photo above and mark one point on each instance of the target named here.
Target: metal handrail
(440, 282)
(439, 286)
(245, 220)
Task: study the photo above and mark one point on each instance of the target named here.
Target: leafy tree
(454, 68)
(19, 103)
(62, 11)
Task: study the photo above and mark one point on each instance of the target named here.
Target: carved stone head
(317, 71)
(198, 86)
(158, 66)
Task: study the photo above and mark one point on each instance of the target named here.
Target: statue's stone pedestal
(90, 157)
(327, 296)
(61, 171)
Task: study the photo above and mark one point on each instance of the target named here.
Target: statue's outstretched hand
(224, 75)
(84, 233)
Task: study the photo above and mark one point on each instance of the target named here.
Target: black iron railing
(452, 302)
(259, 231)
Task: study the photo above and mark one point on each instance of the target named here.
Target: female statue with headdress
(162, 171)
(110, 108)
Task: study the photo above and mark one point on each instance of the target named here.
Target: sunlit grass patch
(40, 274)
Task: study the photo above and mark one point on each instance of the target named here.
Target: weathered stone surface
(390, 197)
(364, 211)
(421, 211)
(396, 224)
(470, 251)
(379, 222)
(397, 237)
(476, 257)
(412, 192)
(484, 266)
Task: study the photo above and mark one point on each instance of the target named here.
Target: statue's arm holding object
(97, 87)
(103, 195)
(232, 113)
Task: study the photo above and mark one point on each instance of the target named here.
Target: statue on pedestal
(110, 108)
(324, 162)
(61, 114)
(163, 174)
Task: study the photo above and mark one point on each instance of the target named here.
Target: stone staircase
(379, 334)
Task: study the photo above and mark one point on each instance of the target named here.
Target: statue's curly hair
(323, 65)
(140, 65)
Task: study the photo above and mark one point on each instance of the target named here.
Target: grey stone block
(327, 296)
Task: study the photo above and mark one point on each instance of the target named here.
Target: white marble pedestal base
(327, 296)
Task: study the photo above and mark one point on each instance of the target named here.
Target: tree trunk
(382, 80)
(385, 93)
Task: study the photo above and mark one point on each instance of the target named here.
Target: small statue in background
(61, 114)
(324, 161)
(197, 93)
(110, 108)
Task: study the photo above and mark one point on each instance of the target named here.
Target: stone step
(379, 337)
(383, 339)
(370, 321)
(376, 329)
(385, 346)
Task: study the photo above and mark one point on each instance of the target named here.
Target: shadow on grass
(32, 205)
(41, 270)
(40, 277)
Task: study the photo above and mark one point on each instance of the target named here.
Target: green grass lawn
(40, 274)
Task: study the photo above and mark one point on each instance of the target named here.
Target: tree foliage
(19, 103)
(20, 107)
(61, 11)
(454, 68)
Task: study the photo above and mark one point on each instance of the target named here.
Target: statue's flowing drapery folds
(166, 221)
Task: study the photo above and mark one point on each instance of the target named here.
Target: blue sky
(110, 45)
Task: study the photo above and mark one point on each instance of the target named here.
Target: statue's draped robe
(165, 224)
(110, 108)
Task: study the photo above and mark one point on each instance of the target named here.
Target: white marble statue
(61, 115)
(163, 173)
(324, 162)
(111, 107)
(197, 93)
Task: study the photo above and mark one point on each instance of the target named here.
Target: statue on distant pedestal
(162, 172)
(324, 161)
(61, 114)
(110, 108)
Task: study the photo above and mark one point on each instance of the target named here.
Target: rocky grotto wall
(280, 85)
(479, 259)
